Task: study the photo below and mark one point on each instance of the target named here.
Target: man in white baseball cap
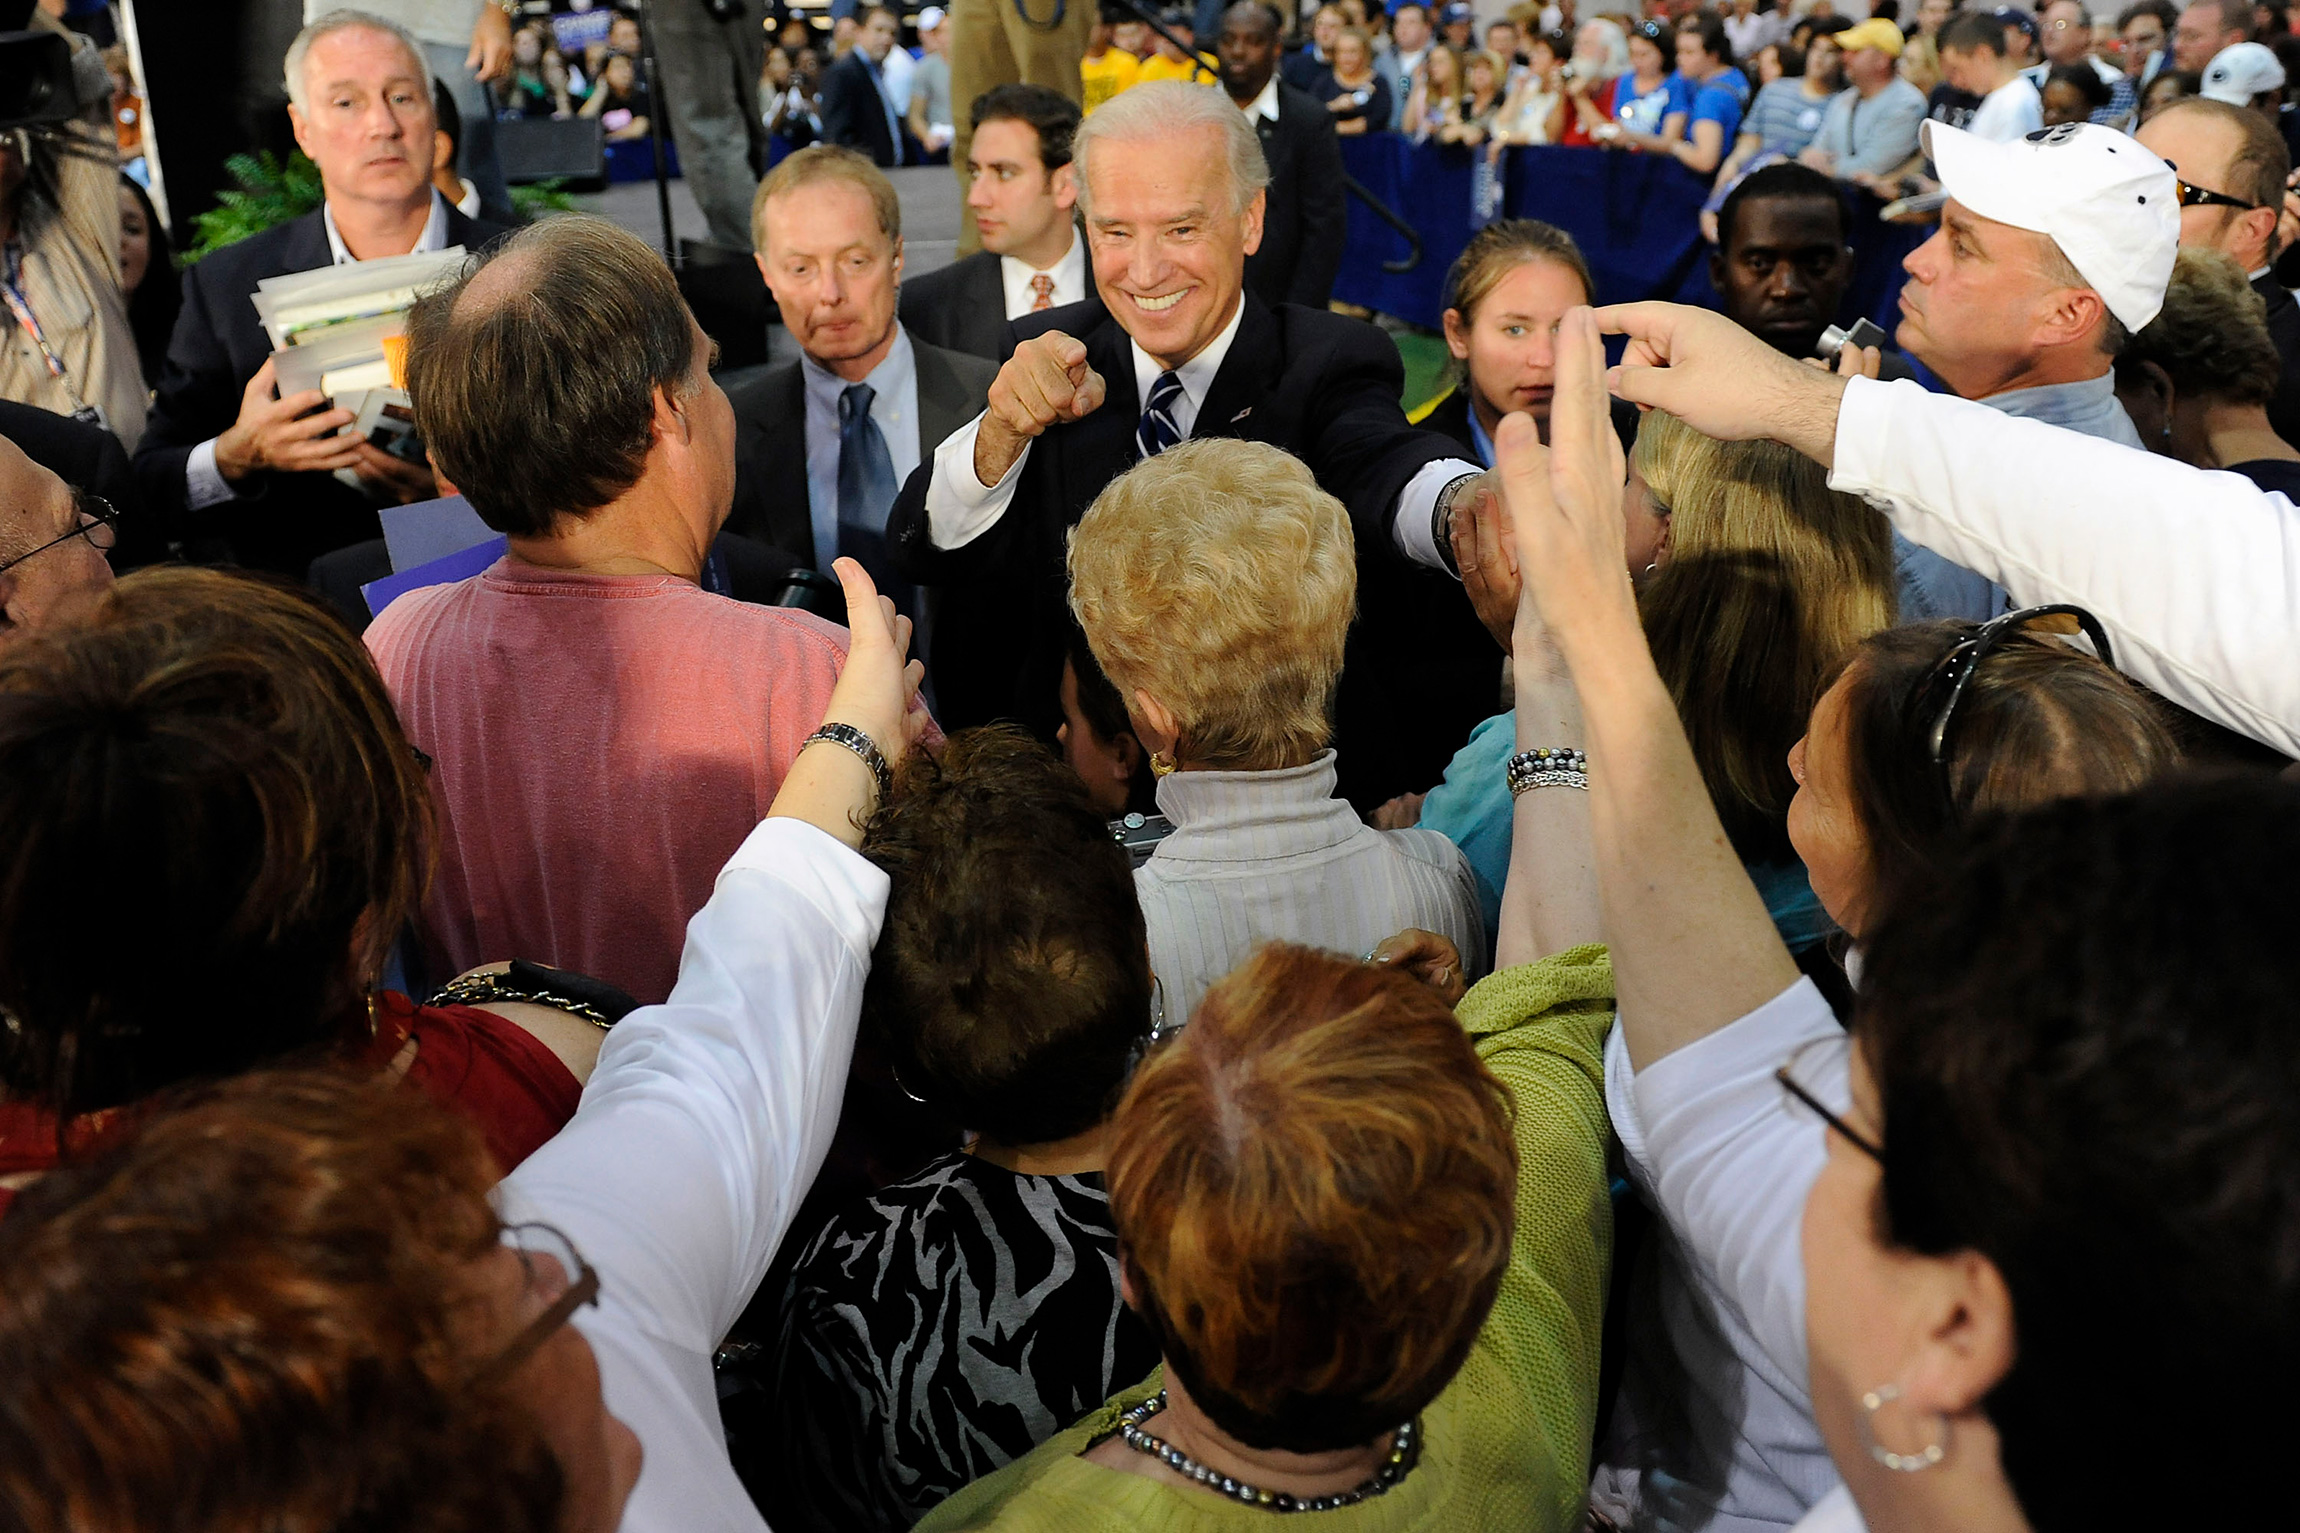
(2053, 249)
(2246, 74)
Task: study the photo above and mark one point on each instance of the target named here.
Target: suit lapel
(782, 454)
(1243, 379)
(942, 399)
(984, 319)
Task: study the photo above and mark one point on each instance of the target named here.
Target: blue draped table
(1636, 218)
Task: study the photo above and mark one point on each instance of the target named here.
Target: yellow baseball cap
(1876, 33)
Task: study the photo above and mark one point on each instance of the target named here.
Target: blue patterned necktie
(1157, 432)
(866, 492)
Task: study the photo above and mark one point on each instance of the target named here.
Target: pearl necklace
(1402, 1454)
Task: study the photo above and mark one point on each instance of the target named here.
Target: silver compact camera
(1837, 337)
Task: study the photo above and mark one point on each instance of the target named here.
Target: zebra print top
(939, 1329)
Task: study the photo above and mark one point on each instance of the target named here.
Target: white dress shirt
(1069, 276)
(1258, 857)
(961, 508)
(702, 1126)
(1265, 106)
(204, 483)
(894, 406)
(2195, 574)
(1715, 1408)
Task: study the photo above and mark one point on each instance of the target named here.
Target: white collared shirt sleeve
(703, 1124)
(960, 507)
(1417, 501)
(2195, 574)
(1712, 1142)
(204, 483)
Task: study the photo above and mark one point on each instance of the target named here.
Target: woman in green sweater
(1371, 1236)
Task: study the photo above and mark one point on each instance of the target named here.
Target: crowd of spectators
(1050, 914)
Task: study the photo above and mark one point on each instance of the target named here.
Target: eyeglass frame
(1976, 647)
(93, 511)
(582, 1290)
(2191, 195)
(1797, 1089)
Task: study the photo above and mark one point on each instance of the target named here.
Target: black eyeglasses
(1954, 675)
(576, 1283)
(1804, 1096)
(98, 523)
(2198, 197)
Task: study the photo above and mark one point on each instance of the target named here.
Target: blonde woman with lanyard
(69, 347)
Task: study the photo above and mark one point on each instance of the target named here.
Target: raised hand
(829, 786)
(1721, 380)
(1428, 957)
(1046, 380)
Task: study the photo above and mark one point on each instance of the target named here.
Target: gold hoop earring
(1161, 765)
(1903, 1463)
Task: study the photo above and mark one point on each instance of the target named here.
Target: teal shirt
(1471, 808)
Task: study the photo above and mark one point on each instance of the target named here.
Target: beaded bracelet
(1564, 767)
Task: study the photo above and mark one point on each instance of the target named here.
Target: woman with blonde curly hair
(1215, 584)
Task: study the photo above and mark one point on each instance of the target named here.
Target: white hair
(1616, 44)
(345, 21)
(1162, 111)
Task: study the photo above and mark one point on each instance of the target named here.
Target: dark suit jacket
(89, 458)
(1305, 222)
(1419, 673)
(2284, 330)
(772, 504)
(280, 521)
(960, 308)
(853, 109)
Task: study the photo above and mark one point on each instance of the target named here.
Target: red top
(1575, 135)
(514, 1088)
(601, 744)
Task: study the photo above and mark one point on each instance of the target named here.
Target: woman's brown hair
(213, 830)
(1315, 1191)
(2039, 721)
(1772, 579)
(256, 1314)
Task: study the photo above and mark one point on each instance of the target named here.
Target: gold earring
(1161, 765)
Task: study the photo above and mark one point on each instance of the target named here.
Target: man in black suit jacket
(853, 100)
(1173, 347)
(829, 235)
(1023, 190)
(1306, 219)
(239, 472)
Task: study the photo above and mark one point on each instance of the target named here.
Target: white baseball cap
(2241, 71)
(930, 18)
(2112, 207)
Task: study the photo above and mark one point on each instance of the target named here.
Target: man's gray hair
(1163, 110)
(345, 21)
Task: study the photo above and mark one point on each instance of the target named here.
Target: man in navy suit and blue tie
(1173, 346)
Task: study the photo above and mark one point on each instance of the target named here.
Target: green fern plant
(269, 194)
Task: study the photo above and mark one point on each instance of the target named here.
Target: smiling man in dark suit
(823, 443)
(223, 458)
(1022, 188)
(1304, 220)
(1173, 347)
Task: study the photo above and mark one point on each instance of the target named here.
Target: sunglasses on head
(1953, 676)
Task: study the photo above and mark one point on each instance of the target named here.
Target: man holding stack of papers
(276, 431)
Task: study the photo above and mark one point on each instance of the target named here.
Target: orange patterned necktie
(1042, 288)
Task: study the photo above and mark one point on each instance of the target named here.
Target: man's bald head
(534, 376)
(42, 579)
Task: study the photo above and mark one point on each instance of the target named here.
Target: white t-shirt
(2013, 110)
(1715, 1424)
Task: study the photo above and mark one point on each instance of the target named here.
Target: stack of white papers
(328, 327)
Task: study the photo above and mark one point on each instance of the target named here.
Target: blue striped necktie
(1157, 432)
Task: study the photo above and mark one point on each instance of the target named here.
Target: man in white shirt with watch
(1023, 190)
